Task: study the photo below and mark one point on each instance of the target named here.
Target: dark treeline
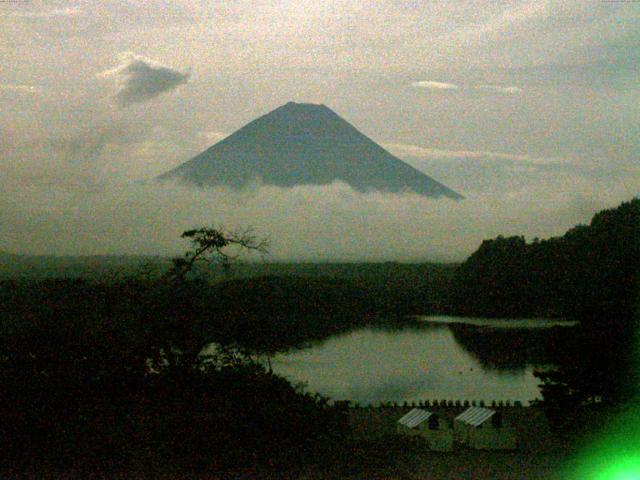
(287, 307)
(414, 288)
(257, 315)
(96, 267)
(589, 271)
(269, 314)
(590, 274)
(108, 375)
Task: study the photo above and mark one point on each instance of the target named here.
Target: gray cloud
(433, 85)
(103, 151)
(45, 14)
(500, 174)
(140, 79)
(330, 222)
(416, 151)
(20, 88)
(499, 88)
(212, 136)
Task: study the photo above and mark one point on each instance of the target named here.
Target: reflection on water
(528, 323)
(428, 362)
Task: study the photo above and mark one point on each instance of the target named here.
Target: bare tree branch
(210, 244)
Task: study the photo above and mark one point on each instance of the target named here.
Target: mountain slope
(304, 144)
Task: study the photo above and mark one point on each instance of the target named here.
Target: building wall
(490, 438)
(485, 437)
(408, 431)
(461, 431)
(440, 440)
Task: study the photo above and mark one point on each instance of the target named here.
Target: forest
(590, 274)
(590, 271)
(107, 374)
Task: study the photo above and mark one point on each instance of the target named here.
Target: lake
(450, 358)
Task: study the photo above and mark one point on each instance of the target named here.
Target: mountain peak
(303, 144)
(292, 104)
(308, 108)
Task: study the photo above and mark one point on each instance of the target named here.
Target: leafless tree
(211, 245)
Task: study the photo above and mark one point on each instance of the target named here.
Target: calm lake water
(448, 358)
(528, 323)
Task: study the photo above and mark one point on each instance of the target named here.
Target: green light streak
(620, 469)
(614, 453)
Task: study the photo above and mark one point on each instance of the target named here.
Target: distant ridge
(304, 144)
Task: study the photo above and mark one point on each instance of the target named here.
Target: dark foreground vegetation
(105, 378)
(107, 375)
(590, 274)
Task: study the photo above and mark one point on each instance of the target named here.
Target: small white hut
(484, 429)
(432, 427)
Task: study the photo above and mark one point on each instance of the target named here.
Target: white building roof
(414, 418)
(475, 415)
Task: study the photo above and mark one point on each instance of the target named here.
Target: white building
(432, 427)
(484, 429)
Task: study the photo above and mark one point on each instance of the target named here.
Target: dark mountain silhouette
(301, 143)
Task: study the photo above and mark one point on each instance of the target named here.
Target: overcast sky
(521, 106)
